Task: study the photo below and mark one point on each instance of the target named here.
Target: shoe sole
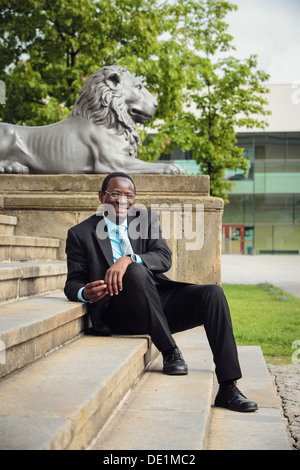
(177, 372)
(231, 408)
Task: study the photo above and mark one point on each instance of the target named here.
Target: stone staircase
(28, 265)
(60, 389)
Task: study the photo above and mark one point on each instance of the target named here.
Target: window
(293, 145)
(270, 146)
(274, 208)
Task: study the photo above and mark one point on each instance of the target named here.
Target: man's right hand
(95, 291)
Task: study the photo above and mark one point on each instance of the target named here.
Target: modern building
(263, 214)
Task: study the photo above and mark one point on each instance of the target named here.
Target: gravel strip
(287, 382)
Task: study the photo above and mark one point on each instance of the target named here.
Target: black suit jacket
(89, 252)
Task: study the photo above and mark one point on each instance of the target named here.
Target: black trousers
(170, 307)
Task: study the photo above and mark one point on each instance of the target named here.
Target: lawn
(265, 316)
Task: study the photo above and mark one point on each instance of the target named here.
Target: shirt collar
(112, 226)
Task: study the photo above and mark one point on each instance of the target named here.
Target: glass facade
(263, 214)
(267, 201)
(270, 146)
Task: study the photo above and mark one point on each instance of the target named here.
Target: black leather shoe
(174, 364)
(229, 396)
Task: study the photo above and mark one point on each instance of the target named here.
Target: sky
(271, 30)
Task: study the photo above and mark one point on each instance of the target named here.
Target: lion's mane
(106, 107)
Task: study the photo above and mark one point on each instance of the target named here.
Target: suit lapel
(135, 243)
(103, 241)
(136, 240)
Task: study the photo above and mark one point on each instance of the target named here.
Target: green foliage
(181, 49)
(221, 94)
(52, 46)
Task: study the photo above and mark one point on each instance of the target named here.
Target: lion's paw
(7, 166)
(172, 169)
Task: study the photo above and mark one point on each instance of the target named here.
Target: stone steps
(166, 412)
(19, 280)
(32, 328)
(19, 248)
(177, 413)
(28, 265)
(24, 248)
(62, 390)
(7, 224)
(87, 393)
(59, 387)
(67, 396)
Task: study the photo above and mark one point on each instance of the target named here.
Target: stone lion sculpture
(98, 136)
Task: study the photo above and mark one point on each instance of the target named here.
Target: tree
(222, 93)
(48, 48)
(181, 49)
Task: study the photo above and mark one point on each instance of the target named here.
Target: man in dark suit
(116, 263)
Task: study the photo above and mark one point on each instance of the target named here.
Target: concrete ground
(282, 271)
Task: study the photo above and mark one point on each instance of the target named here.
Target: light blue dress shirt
(115, 245)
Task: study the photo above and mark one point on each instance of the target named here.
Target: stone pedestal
(48, 205)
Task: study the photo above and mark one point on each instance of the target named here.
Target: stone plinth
(48, 205)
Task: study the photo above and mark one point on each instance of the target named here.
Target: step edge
(73, 424)
(27, 331)
(29, 269)
(8, 220)
(22, 240)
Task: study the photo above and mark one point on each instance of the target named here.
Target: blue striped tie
(125, 244)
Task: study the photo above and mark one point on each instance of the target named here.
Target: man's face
(115, 193)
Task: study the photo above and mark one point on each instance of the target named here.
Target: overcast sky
(271, 30)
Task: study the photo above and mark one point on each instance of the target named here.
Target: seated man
(121, 277)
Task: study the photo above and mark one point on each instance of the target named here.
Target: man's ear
(101, 196)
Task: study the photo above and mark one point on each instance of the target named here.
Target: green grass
(262, 317)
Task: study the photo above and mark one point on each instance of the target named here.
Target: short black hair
(115, 175)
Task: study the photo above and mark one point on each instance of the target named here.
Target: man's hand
(112, 283)
(95, 291)
(114, 275)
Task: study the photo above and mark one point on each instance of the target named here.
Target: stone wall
(48, 205)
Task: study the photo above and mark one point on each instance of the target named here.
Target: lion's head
(112, 97)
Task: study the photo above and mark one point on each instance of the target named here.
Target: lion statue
(98, 136)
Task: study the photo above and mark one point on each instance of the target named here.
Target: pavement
(282, 271)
